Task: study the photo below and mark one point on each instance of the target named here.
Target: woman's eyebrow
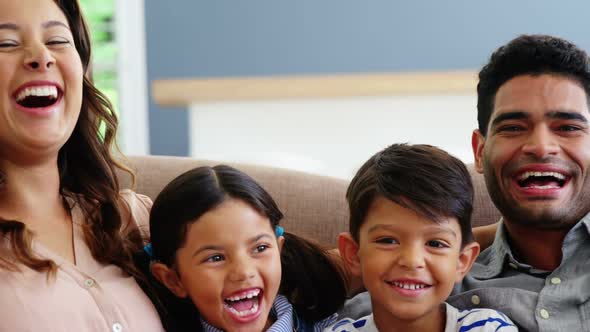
(9, 26)
(50, 24)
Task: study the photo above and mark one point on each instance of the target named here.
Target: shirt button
(544, 313)
(555, 281)
(475, 299)
(117, 327)
(88, 283)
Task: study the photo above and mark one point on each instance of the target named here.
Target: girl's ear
(169, 278)
(349, 252)
(467, 257)
(280, 242)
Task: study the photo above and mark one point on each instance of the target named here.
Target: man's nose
(541, 143)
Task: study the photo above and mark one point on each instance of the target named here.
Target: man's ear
(349, 252)
(169, 278)
(477, 144)
(466, 259)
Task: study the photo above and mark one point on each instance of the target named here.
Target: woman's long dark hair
(87, 176)
(311, 278)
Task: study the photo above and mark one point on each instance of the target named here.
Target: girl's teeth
(250, 311)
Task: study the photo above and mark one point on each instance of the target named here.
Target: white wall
(329, 137)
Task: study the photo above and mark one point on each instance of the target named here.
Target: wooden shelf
(184, 92)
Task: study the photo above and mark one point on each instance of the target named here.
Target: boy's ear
(169, 278)
(466, 259)
(477, 144)
(349, 252)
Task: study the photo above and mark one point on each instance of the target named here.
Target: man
(533, 147)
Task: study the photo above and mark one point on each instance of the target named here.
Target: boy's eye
(387, 240)
(260, 248)
(214, 258)
(437, 244)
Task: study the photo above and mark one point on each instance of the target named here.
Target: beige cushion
(314, 206)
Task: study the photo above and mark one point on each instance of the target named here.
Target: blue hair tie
(279, 231)
(148, 250)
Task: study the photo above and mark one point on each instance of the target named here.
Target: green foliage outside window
(100, 18)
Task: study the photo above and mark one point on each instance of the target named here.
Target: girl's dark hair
(311, 279)
(422, 178)
(87, 176)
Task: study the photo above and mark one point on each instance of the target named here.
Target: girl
(216, 240)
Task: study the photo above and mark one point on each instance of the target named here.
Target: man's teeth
(407, 285)
(247, 295)
(556, 175)
(38, 91)
(250, 311)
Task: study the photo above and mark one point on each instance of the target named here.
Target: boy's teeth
(406, 285)
(38, 91)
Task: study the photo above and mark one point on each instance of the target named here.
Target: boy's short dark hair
(422, 178)
(529, 55)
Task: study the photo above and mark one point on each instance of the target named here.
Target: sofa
(314, 206)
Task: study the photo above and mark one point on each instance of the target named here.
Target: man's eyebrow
(9, 26)
(50, 24)
(565, 115)
(509, 116)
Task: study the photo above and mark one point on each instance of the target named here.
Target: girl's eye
(436, 244)
(214, 258)
(260, 248)
(387, 240)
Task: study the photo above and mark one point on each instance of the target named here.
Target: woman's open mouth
(37, 97)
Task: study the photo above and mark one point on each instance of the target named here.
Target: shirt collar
(281, 310)
(500, 256)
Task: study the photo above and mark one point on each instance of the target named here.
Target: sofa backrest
(314, 206)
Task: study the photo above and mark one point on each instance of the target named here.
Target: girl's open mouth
(244, 305)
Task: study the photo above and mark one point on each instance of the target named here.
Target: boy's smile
(408, 263)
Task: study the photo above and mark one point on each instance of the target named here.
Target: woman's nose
(38, 58)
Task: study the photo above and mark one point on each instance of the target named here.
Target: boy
(410, 241)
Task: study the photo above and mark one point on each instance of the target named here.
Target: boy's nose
(411, 257)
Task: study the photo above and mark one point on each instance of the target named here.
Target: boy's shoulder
(364, 324)
(477, 320)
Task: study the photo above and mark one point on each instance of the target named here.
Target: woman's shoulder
(137, 210)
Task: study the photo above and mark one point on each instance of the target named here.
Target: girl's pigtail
(312, 279)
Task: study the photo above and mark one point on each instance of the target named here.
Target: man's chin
(548, 218)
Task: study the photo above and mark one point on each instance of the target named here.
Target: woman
(68, 234)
